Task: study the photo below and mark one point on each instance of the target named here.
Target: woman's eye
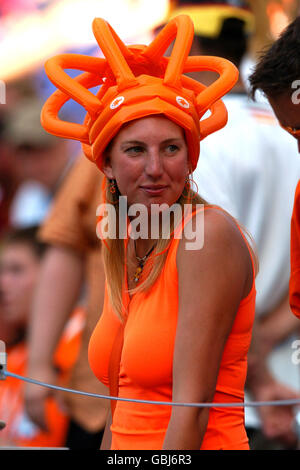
(134, 150)
(172, 148)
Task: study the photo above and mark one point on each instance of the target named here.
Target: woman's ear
(189, 170)
(107, 168)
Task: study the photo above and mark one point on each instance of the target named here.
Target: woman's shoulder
(215, 225)
(218, 245)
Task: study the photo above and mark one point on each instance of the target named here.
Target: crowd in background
(36, 173)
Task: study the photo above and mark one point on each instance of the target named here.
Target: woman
(176, 323)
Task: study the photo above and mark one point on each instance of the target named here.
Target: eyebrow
(140, 142)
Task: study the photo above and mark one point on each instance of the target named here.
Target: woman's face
(149, 161)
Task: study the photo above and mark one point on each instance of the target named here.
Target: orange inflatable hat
(137, 81)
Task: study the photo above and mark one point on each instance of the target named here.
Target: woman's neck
(141, 247)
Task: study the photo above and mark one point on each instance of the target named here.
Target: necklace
(142, 262)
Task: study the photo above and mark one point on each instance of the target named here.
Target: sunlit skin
(287, 112)
(149, 161)
(19, 268)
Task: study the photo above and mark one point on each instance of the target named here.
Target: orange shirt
(147, 362)
(19, 430)
(295, 256)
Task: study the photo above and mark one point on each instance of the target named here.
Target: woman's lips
(153, 190)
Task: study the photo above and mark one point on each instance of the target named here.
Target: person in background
(42, 161)
(277, 75)
(21, 256)
(244, 169)
(73, 262)
(9, 180)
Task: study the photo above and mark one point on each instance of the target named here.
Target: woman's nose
(154, 163)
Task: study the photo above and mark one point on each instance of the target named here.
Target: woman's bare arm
(212, 282)
(106, 440)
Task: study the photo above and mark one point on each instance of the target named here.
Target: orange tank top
(147, 362)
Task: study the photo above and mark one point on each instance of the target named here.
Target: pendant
(138, 272)
(141, 264)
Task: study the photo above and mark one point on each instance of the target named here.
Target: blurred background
(33, 164)
(32, 31)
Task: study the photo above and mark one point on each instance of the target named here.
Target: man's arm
(277, 421)
(106, 441)
(53, 302)
(276, 326)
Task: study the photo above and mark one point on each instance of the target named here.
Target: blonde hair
(114, 251)
(114, 254)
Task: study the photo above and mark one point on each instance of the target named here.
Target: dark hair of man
(279, 66)
(25, 236)
(231, 42)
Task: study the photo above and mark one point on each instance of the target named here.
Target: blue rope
(200, 405)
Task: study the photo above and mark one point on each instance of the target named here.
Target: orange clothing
(71, 224)
(147, 361)
(19, 430)
(295, 256)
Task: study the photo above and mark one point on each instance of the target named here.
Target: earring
(112, 186)
(187, 183)
(188, 188)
